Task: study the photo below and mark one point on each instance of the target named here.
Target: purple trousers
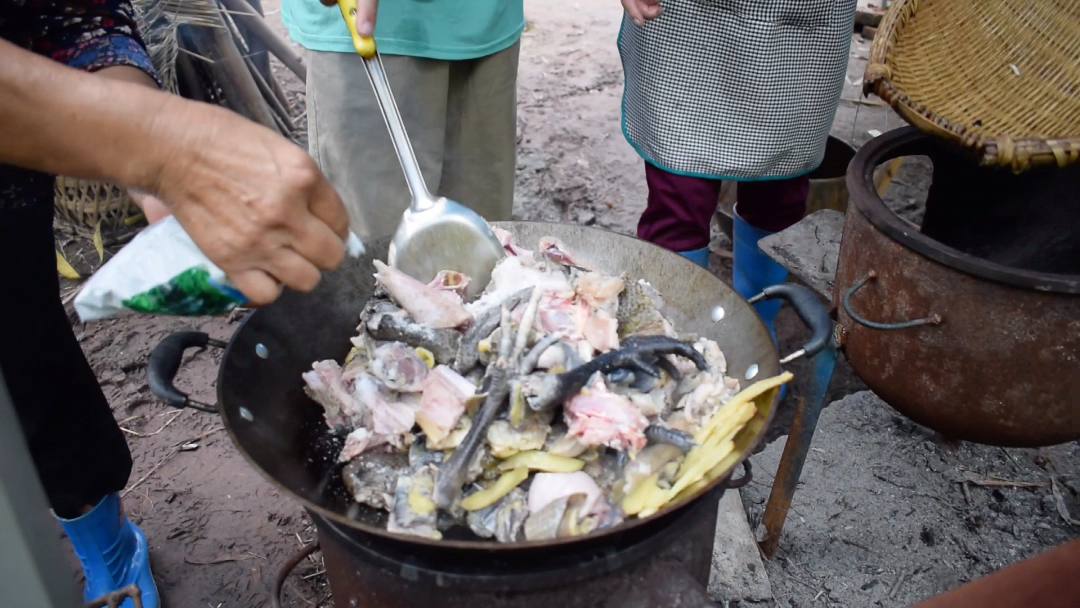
(680, 208)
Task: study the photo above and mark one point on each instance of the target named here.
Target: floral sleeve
(84, 34)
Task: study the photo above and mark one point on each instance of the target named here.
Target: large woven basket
(85, 203)
(999, 77)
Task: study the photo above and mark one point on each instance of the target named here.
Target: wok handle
(748, 476)
(813, 313)
(165, 361)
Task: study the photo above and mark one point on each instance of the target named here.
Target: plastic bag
(162, 271)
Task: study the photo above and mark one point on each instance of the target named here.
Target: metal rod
(243, 12)
(421, 198)
(797, 447)
(280, 110)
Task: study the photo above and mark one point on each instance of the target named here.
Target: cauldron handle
(810, 309)
(934, 319)
(164, 363)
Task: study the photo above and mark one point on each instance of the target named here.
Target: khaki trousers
(460, 115)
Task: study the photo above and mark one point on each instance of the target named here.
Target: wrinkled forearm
(62, 120)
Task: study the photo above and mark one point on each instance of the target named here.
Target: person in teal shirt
(452, 65)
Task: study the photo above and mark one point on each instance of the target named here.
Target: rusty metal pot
(972, 349)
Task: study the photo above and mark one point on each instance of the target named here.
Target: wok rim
(492, 546)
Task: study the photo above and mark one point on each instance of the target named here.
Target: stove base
(674, 575)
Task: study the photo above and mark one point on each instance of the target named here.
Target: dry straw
(999, 77)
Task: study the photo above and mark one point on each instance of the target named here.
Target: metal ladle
(435, 233)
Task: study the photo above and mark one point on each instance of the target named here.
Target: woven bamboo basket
(85, 203)
(1001, 78)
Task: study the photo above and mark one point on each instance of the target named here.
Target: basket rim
(1017, 153)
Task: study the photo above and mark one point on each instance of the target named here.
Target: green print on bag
(190, 293)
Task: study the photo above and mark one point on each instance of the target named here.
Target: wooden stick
(187, 76)
(231, 73)
(1004, 483)
(281, 116)
(244, 13)
(257, 43)
(257, 51)
(281, 111)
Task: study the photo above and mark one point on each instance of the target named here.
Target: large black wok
(281, 431)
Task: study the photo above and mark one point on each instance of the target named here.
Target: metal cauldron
(973, 349)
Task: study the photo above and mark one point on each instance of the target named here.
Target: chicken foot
(483, 325)
(452, 475)
(662, 434)
(640, 354)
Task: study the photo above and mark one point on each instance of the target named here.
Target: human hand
(252, 201)
(152, 207)
(641, 10)
(365, 15)
(255, 203)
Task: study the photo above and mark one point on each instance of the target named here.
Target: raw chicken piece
(450, 280)
(371, 478)
(357, 442)
(596, 416)
(504, 237)
(430, 307)
(713, 355)
(639, 312)
(386, 322)
(398, 366)
(414, 511)
(653, 459)
(454, 438)
(324, 384)
(505, 441)
(599, 291)
(389, 421)
(561, 444)
(443, 402)
(511, 276)
(543, 524)
(554, 250)
(507, 240)
(359, 357)
(563, 356)
(503, 520)
(548, 487)
(653, 403)
(601, 331)
(711, 392)
(563, 316)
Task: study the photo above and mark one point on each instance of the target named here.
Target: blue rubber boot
(698, 256)
(113, 552)
(753, 271)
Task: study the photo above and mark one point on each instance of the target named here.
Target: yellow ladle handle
(364, 45)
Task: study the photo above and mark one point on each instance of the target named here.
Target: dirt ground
(879, 518)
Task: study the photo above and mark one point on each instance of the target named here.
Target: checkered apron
(735, 89)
